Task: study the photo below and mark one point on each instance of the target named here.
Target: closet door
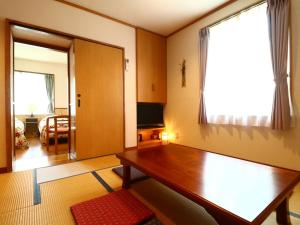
(100, 100)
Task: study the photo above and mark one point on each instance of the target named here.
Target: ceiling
(160, 16)
(32, 35)
(30, 52)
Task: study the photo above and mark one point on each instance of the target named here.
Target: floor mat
(75, 168)
(16, 190)
(57, 198)
(111, 178)
(71, 190)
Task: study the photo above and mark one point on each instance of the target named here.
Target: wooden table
(232, 190)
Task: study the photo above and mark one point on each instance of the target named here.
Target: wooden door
(151, 67)
(100, 99)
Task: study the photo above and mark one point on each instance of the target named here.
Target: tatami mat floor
(16, 191)
(75, 168)
(17, 208)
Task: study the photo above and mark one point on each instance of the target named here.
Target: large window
(239, 86)
(30, 93)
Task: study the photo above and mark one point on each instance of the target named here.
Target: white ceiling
(29, 34)
(30, 52)
(160, 16)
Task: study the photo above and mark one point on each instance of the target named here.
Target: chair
(57, 125)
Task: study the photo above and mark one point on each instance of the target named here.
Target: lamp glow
(165, 137)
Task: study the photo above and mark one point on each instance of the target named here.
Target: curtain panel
(204, 41)
(278, 20)
(49, 81)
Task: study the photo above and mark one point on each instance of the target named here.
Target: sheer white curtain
(30, 93)
(239, 79)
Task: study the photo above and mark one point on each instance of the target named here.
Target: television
(150, 115)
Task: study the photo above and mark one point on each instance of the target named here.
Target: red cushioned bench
(116, 208)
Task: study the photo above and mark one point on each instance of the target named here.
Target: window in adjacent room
(31, 93)
(239, 85)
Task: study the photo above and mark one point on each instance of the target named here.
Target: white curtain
(30, 93)
(239, 79)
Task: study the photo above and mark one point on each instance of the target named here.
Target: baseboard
(3, 170)
(130, 148)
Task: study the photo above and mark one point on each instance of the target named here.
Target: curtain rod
(236, 13)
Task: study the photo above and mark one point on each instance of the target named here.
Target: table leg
(282, 213)
(126, 177)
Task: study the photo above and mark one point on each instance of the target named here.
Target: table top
(244, 191)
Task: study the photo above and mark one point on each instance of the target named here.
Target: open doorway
(41, 107)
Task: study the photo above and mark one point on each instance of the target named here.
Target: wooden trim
(124, 116)
(3, 170)
(40, 44)
(28, 71)
(60, 33)
(69, 108)
(203, 16)
(8, 112)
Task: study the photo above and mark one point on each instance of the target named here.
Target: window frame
(290, 47)
(39, 73)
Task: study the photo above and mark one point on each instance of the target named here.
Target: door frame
(8, 84)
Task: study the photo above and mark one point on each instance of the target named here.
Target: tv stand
(149, 137)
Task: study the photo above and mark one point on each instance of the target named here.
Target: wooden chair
(60, 125)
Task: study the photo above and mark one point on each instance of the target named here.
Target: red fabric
(116, 208)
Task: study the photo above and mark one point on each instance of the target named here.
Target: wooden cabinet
(151, 67)
(31, 127)
(150, 137)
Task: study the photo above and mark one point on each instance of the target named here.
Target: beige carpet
(75, 168)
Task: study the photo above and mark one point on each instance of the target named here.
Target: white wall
(57, 16)
(181, 114)
(60, 72)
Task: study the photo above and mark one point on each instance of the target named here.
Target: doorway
(96, 117)
(40, 92)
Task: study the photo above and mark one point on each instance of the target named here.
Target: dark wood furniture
(57, 125)
(149, 137)
(232, 190)
(31, 127)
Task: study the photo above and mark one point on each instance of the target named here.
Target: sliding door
(100, 100)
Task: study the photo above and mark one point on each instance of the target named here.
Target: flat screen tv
(150, 115)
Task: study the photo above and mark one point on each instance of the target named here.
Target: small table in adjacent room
(31, 127)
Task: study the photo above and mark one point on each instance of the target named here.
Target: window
(239, 84)
(30, 93)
